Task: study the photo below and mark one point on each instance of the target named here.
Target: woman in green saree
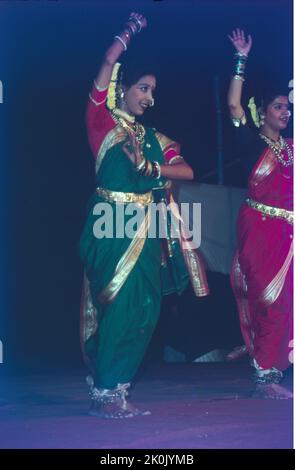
(126, 275)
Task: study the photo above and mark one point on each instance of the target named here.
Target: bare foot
(272, 390)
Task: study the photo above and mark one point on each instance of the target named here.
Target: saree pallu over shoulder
(166, 143)
(170, 148)
(266, 164)
(271, 183)
(113, 137)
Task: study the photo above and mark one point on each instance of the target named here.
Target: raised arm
(98, 118)
(242, 47)
(135, 24)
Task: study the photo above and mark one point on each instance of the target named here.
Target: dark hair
(269, 96)
(133, 69)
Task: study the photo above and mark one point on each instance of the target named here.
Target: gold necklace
(133, 128)
(277, 148)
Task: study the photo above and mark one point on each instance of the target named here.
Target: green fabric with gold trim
(126, 323)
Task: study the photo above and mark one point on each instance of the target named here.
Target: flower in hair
(254, 113)
(112, 90)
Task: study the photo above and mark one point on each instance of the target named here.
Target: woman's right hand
(133, 150)
(240, 43)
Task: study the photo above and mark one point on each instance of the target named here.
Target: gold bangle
(238, 121)
(149, 169)
(141, 165)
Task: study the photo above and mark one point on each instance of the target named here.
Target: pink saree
(262, 270)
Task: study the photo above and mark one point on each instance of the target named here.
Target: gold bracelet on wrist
(122, 42)
(239, 77)
(139, 167)
(149, 169)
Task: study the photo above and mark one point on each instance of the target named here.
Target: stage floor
(193, 406)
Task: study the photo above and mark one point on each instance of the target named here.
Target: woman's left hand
(139, 19)
(133, 150)
(239, 41)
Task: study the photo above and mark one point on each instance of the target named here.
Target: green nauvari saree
(125, 278)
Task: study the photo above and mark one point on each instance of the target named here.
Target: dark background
(50, 51)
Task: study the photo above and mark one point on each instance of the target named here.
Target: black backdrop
(50, 51)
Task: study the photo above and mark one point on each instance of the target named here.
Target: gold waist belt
(271, 211)
(118, 196)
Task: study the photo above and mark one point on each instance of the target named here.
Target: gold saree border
(265, 167)
(142, 199)
(126, 263)
(113, 137)
(165, 142)
(270, 294)
(88, 315)
(193, 261)
(196, 271)
(271, 211)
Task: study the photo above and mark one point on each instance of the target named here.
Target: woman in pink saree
(262, 271)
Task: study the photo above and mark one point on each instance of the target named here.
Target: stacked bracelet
(148, 168)
(129, 31)
(139, 167)
(240, 65)
(136, 23)
(144, 168)
(156, 173)
(239, 77)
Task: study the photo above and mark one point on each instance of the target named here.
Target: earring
(120, 92)
(152, 103)
(261, 120)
